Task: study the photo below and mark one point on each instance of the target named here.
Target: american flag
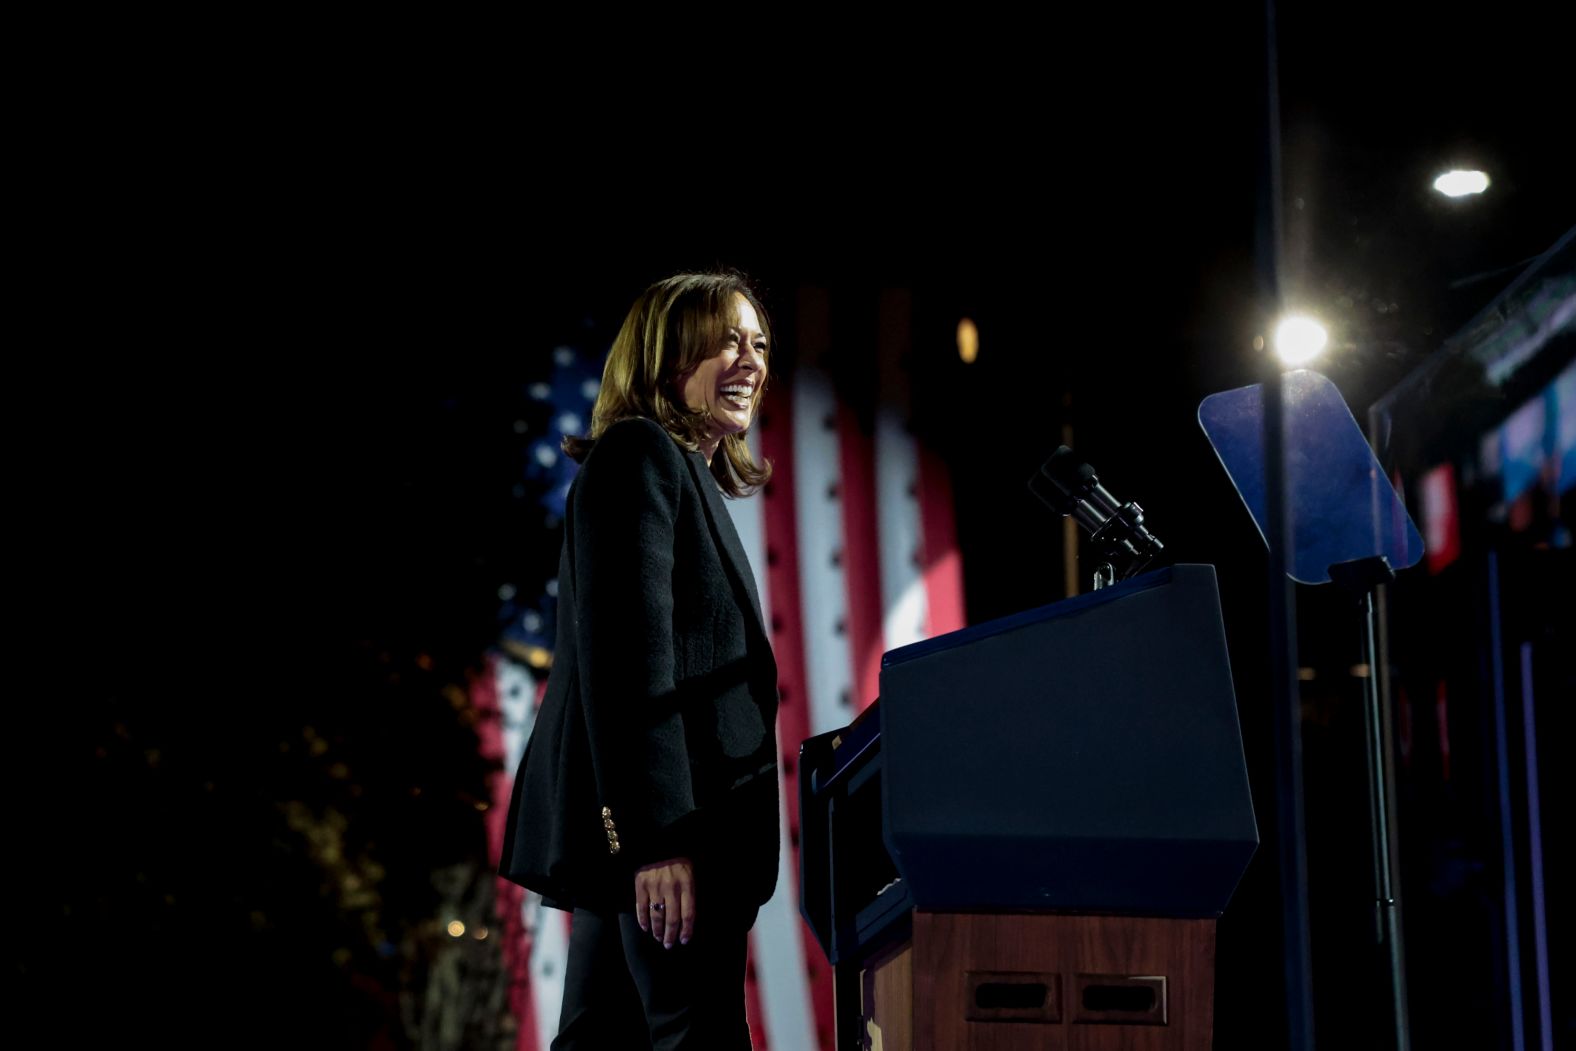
(854, 552)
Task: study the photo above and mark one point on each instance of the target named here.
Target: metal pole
(1287, 703)
(1284, 696)
(1387, 906)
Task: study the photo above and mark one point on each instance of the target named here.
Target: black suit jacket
(657, 733)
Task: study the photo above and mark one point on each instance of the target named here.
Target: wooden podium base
(1000, 982)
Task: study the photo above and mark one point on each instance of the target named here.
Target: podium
(1026, 841)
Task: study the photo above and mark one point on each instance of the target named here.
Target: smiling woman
(686, 339)
(647, 797)
(726, 385)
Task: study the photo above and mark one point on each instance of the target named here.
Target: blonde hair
(675, 325)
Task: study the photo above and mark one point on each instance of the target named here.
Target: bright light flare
(1461, 183)
(1298, 340)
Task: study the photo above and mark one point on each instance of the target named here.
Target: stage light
(968, 341)
(456, 928)
(1461, 183)
(1298, 340)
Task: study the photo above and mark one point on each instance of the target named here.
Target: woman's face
(727, 385)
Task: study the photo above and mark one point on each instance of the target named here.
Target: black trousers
(624, 992)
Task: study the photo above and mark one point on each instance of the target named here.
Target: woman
(647, 797)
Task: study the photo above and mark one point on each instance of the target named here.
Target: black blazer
(657, 734)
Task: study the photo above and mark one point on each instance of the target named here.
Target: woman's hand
(665, 900)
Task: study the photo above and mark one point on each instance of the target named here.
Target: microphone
(1070, 486)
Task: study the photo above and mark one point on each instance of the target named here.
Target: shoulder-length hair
(675, 325)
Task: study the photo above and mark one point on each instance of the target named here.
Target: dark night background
(310, 519)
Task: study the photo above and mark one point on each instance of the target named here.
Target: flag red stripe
(943, 566)
(752, 1002)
